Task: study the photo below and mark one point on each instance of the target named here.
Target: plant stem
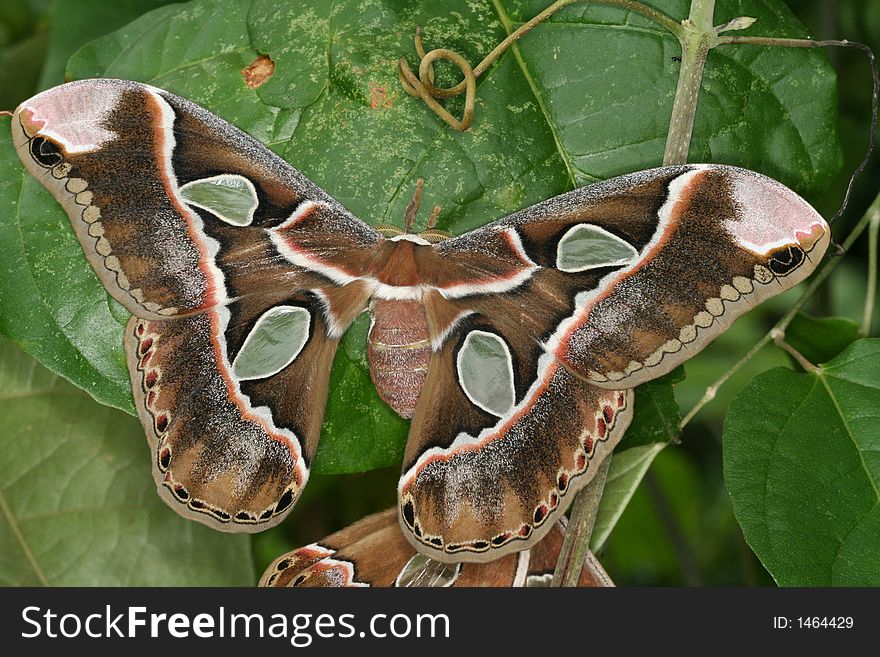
(779, 341)
(696, 35)
(423, 84)
(696, 39)
(780, 326)
(580, 526)
(871, 294)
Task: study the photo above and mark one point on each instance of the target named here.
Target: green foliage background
(585, 97)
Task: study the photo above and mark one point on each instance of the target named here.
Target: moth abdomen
(399, 350)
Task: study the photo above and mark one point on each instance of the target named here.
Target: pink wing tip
(808, 238)
(29, 121)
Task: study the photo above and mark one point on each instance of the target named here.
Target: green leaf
(73, 23)
(584, 97)
(819, 339)
(20, 67)
(628, 467)
(654, 425)
(656, 416)
(78, 506)
(804, 472)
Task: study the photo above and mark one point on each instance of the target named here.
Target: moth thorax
(398, 349)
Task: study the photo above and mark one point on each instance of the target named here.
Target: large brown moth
(514, 347)
(373, 552)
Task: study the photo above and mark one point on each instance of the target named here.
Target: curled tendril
(423, 85)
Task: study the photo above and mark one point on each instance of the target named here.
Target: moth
(373, 552)
(514, 347)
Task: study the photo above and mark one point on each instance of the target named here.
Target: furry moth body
(514, 347)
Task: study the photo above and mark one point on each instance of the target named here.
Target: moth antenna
(5, 113)
(409, 216)
(432, 220)
(872, 134)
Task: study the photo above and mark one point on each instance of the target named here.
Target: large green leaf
(78, 506)
(584, 97)
(804, 472)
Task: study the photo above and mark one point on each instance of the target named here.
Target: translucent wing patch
(275, 341)
(485, 372)
(588, 247)
(230, 198)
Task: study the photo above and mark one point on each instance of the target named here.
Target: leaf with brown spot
(258, 71)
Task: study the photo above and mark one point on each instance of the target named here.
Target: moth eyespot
(299, 580)
(151, 378)
(562, 482)
(242, 516)
(554, 500)
(45, 152)
(285, 501)
(165, 459)
(501, 539)
(588, 443)
(161, 422)
(786, 260)
(409, 515)
(284, 564)
(180, 493)
(525, 531)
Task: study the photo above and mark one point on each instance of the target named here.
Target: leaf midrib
(13, 524)
(822, 378)
(507, 25)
